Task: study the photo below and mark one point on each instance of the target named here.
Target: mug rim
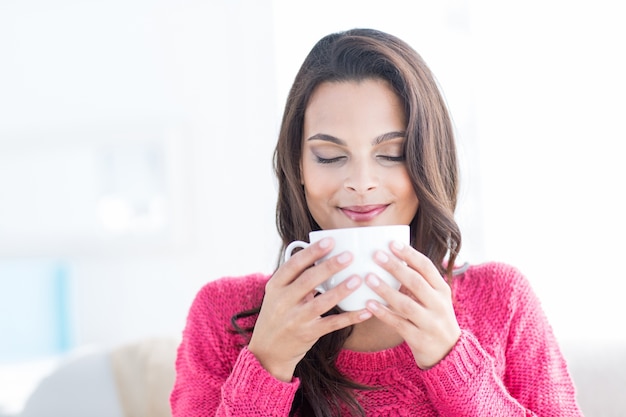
(351, 229)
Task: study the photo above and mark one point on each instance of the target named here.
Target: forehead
(365, 106)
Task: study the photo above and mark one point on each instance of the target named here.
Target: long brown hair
(431, 161)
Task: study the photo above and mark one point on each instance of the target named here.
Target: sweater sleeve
(215, 376)
(535, 381)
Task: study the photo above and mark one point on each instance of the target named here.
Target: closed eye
(321, 160)
(392, 158)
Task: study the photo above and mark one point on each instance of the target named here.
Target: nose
(361, 176)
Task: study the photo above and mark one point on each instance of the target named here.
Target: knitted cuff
(460, 374)
(252, 390)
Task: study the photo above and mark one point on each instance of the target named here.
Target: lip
(363, 213)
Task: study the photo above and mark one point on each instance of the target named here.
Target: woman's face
(352, 166)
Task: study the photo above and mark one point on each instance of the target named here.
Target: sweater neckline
(375, 361)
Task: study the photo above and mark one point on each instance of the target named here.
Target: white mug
(362, 242)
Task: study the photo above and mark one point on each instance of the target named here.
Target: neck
(372, 336)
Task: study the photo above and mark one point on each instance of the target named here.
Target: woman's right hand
(290, 320)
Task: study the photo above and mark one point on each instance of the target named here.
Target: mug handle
(300, 244)
(295, 244)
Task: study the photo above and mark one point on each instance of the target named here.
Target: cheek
(318, 183)
(409, 193)
(318, 190)
(318, 205)
(404, 190)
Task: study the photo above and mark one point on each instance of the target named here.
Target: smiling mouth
(363, 213)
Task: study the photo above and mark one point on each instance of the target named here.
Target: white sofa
(132, 380)
(135, 381)
(599, 372)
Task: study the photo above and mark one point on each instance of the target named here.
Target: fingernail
(365, 315)
(353, 282)
(373, 280)
(381, 256)
(372, 306)
(324, 243)
(398, 245)
(344, 258)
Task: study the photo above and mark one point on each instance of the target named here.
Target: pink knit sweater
(506, 363)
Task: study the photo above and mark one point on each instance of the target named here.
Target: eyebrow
(377, 140)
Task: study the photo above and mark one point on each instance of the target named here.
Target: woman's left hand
(421, 312)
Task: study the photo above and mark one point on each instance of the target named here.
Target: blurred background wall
(136, 140)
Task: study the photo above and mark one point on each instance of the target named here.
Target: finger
(302, 260)
(335, 322)
(331, 298)
(419, 262)
(411, 280)
(316, 275)
(401, 304)
(401, 324)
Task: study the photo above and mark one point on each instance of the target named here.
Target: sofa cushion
(599, 373)
(144, 372)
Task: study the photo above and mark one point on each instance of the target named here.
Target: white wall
(193, 79)
(535, 89)
(549, 101)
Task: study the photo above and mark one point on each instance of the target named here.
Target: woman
(366, 140)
